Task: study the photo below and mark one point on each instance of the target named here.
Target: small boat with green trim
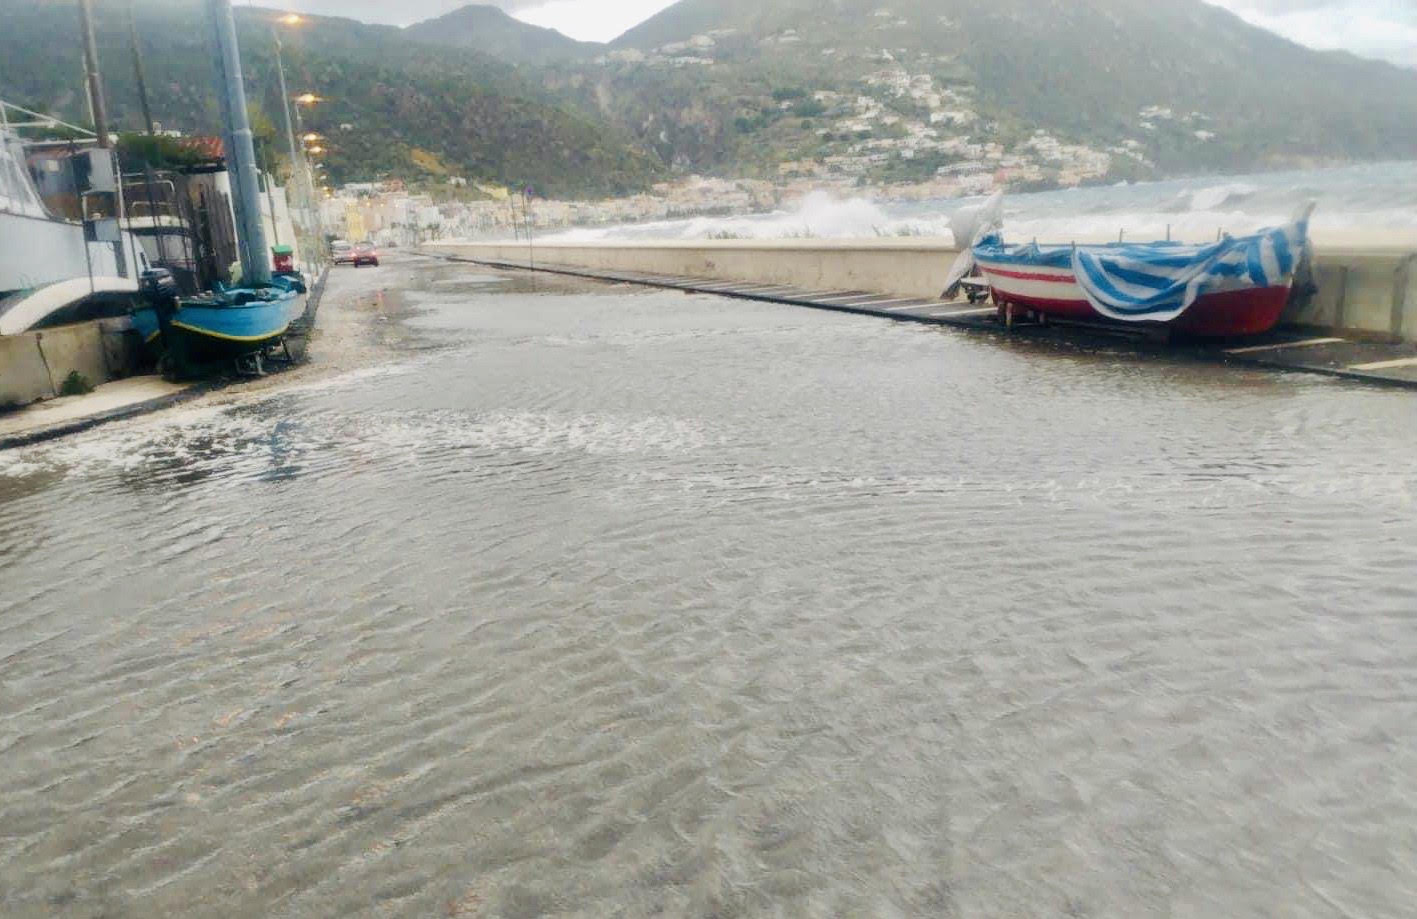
(225, 325)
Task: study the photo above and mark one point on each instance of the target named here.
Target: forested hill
(1182, 85)
(410, 110)
(1033, 91)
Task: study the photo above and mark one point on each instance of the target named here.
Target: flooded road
(590, 601)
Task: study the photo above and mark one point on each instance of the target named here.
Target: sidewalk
(109, 402)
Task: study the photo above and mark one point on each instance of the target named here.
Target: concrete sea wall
(33, 365)
(904, 267)
(1367, 290)
(1371, 291)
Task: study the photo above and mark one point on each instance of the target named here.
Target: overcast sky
(1376, 28)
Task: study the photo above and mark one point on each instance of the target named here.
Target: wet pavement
(1364, 359)
(538, 596)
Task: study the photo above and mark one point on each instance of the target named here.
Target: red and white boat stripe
(1033, 282)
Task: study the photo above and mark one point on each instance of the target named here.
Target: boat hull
(1055, 292)
(211, 333)
(199, 333)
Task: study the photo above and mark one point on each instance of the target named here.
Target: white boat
(41, 254)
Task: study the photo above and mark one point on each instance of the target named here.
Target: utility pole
(241, 150)
(138, 72)
(285, 104)
(95, 82)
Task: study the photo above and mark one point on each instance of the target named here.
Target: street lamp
(292, 20)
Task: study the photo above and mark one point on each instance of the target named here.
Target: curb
(196, 390)
(53, 432)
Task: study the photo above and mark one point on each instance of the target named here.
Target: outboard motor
(157, 284)
(158, 290)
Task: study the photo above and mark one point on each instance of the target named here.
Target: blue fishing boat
(227, 324)
(196, 335)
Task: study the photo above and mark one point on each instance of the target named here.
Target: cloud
(589, 20)
(1385, 29)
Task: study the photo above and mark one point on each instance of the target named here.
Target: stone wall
(33, 365)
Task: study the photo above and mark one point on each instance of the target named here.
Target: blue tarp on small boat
(1159, 281)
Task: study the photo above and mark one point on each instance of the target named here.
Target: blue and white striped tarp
(1157, 282)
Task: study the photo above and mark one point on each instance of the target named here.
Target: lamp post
(300, 175)
(309, 98)
(292, 19)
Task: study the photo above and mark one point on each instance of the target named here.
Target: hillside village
(895, 116)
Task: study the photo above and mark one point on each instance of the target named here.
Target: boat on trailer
(238, 323)
(227, 324)
(1233, 287)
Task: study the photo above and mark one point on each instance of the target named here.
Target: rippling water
(598, 602)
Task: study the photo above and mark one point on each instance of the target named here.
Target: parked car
(341, 252)
(366, 254)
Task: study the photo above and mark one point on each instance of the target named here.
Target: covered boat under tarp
(1234, 286)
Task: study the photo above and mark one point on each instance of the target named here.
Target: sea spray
(1373, 198)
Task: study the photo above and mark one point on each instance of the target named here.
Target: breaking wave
(1371, 199)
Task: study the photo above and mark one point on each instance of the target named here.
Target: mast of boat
(91, 74)
(100, 122)
(139, 73)
(240, 148)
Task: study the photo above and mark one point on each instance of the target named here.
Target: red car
(366, 254)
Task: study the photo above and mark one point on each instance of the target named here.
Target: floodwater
(588, 601)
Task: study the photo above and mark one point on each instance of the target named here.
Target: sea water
(1375, 200)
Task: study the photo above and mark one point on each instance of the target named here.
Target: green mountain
(394, 106)
(492, 32)
(1163, 87)
(1029, 91)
